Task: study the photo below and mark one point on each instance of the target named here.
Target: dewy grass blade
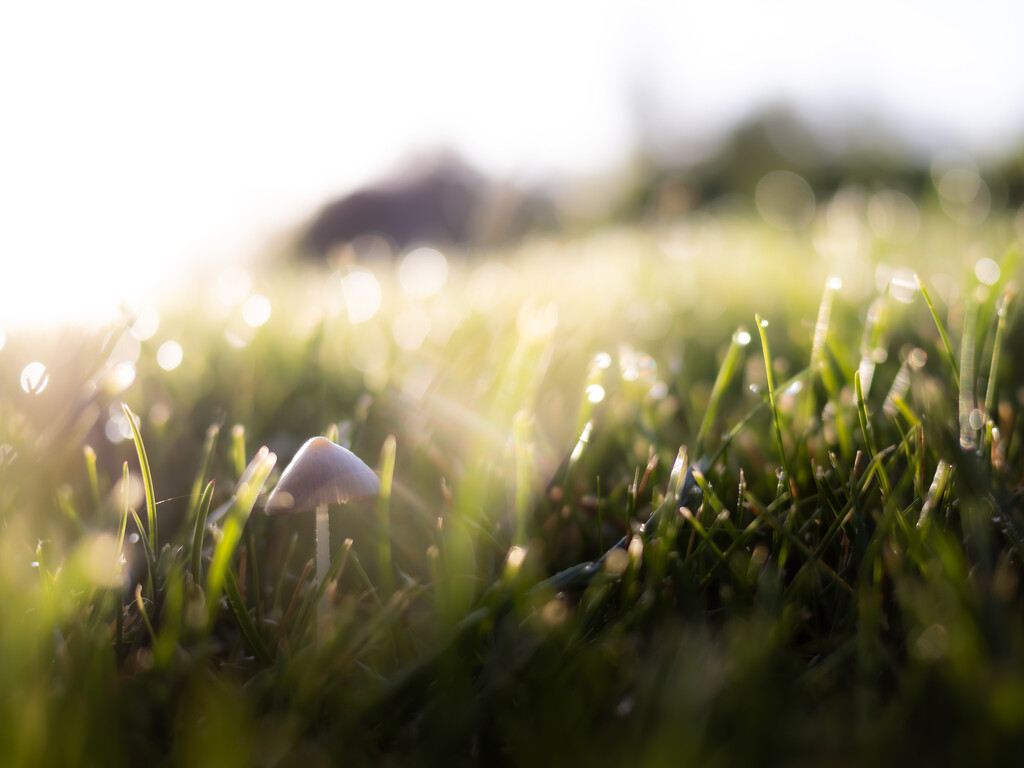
(206, 459)
(946, 346)
(123, 525)
(862, 415)
(237, 450)
(147, 476)
(726, 374)
(522, 429)
(822, 324)
(249, 487)
(970, 421)
(776, 418)
(90, 469)
(241, 613)
(387, 471)
(1002, 310)
(938, 487)
(199, 531)
(147, 550)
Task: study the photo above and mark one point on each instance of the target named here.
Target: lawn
(707, 493)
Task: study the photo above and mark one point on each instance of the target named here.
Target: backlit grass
(708, 493)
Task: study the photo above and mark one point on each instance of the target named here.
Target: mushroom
(321, 473)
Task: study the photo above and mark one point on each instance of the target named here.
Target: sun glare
(423, 272)
(169, 355)
(363, 295)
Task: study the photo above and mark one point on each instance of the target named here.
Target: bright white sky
(138, 139)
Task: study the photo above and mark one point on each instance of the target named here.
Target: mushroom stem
(323, 545)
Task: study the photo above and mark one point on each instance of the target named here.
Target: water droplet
(516, 556)
(146, 324)
(987, 271)
(423, 272)
(169, 355)
(256, 310)
(917, 358)
(742, 337)
(659, 390)
(133, 538)
(835, 283)
(363, 295)
(34, 378)
(755, 389)
(602, 360)
(764, 323)
(595, 393)
(976, 419)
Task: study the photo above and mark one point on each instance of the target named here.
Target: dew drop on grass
(169, 355)
(113, 431)
(34, 378)
(903, 286)
(423, 272)
(595, 393)
(256, 310)
(602, 360)
(146, 324)
(363, 295)
(742, 337)
(658, 390)
(133, 538)
(917, 358)
(987, 271)
(515, 557)
(119, 378)
(976, 419)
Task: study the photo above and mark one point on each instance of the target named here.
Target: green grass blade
(205, 460)
(198, 532)
(241, 614)
(147, 550)
(862, 416)
(776, 417)
(522, 429)
(1002, 310)
(946, 346)
(726, 374)
(387, 471)
(253, 478)
(123, 524)
(147, 476)
(237, 451)
(968, 429)
(90, 470)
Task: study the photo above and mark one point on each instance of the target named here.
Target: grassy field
(707, 494)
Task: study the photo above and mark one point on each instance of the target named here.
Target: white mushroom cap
(322, 473)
